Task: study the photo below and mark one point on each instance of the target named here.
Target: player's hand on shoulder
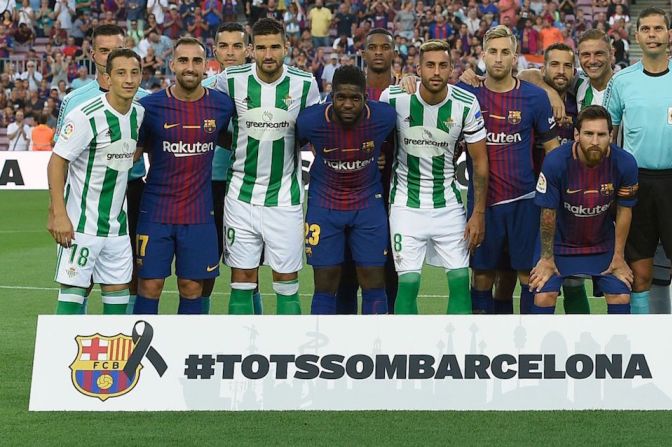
(474, 232)
(620, 269)
(558, 107)
(61, 229)
(541, 273)
(470, 77)
(409, 83)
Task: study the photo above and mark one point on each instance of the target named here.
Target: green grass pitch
(27, 259)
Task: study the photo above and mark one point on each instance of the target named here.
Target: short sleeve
(548, 185)
(544, 123)
(74, 137)
(473, 127)
(613, 103)
(313, 94)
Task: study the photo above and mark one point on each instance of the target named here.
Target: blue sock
(323, 304)
(639, 302)
(257, 303)
(131, 304)
(374, 301)
(205, 303)
(618, 308)
(542, 310)
(503, 307)
(190, 307)
(481, 301)
(526, 299)
(145, 306)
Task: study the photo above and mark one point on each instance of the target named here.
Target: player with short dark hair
(263, 210)
(345, 196)
(580, 234)
(514, 112)
(176, 218)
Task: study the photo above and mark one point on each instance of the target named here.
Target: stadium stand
(55, 35)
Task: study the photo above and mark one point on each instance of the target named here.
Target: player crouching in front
(577, 188)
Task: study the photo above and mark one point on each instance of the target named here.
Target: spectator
(71, 48)
(44, 19)
(148, 78)
(344, 45)
(162, 45)
(507, 9)
(618, 15)
(134, 31)
(24, 36)
(58, 36)
(152, 26)
(549, 34)
(472, 21)
(18, 133)
(320, 19)
(406, 21)
(486, 8)
(80, 27)
(293, 19)
(83, 6)
(26, 15)
(5, 43)
(229, 11)
(317, 67)
(380, 15)
(272, 11)
(328, 72)
(344, 20)
(59, 69)
(212, 12)
(529, 40)
(64, 11)
(136, 12)
(82, 78)
(440, 29)
(157, 8)
(42, 135)
(7, 116)
(186, 9)
(43, 91)
(172, 27)
(198, 27)
(31, 76)
(61, 91)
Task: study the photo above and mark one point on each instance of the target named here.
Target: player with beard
(184, 122)
(638, 99)
(427, 218)
(378, 54)
(580, 232)
(263, 209)
(514, 111)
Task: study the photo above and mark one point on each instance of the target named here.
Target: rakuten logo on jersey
(581, 211)
(502, 139)
(182, 149)
(348, 166)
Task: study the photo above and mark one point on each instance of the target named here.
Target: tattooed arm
(545, 268)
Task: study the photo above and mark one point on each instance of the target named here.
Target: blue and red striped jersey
(345, 174)
(514, 121)
(584, 197)
(180, 137)
(565, 131)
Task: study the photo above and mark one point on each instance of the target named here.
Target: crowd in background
(45, 44)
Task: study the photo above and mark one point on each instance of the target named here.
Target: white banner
(352, 363)
(24, 170)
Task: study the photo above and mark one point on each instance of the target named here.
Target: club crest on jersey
(606, 189)
(109, 366)
(368, 146)
(209, 126)
(449, 123)
(287, 100)
(515, 116)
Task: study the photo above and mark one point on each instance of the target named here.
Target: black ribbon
(144, 349)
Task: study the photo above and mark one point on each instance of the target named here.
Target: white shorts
(108, 260)
(249, 229)
(436, 235)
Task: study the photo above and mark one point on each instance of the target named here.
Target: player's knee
(483, 279)
(643, 276)
(243, 275)
(150, 288)
(623, 298)
(505, 284)
(285, 276)
(371, 277)
(190, 288)
(327, 279)
(546, 299)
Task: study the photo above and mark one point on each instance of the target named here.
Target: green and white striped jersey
(424, 171)
(265, 164)
(586, 94)
(99, 143)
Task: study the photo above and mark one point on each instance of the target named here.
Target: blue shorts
(366, 231)
(590, 265)
(194, 247)
(510, 231)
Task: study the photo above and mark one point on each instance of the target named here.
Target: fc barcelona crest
(515, 116)
(607, 189)
(109, 366)
(209, 126)
(98, 369)
(368, 146)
